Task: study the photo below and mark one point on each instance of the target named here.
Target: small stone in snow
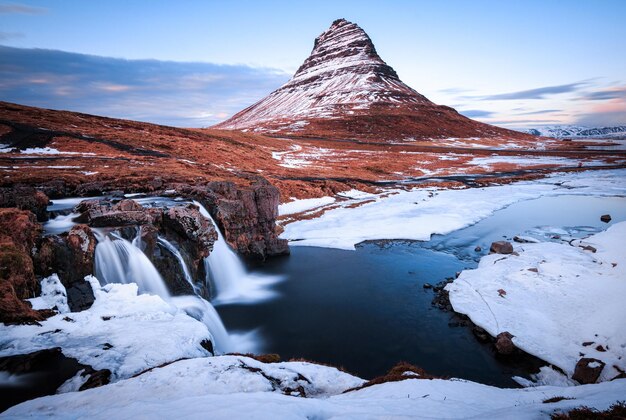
(501, 247)
(606, 218)
(588, 370)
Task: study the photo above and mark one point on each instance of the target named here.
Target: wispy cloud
(538, 93)
(606, 94)
(476, 113)
(10, 35)
(540, 111)
(174, 93)
(12, 8)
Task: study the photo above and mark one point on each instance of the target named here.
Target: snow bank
(53, 295)
(561, 301)
(237, 387)
(420, 213)
(143, 330)
(51, 151)
(297, 206)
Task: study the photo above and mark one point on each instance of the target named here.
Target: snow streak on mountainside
(344, 89)
(571, 131)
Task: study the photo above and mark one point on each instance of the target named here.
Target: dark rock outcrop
(501, 247)
(606, 218)
(101, 213)
(588, 370)
(25, 198)
(71, 256)
(247, 217)
(19, 232)
(51, 367)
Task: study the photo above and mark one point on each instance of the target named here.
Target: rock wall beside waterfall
(19, 234)
(247, 216)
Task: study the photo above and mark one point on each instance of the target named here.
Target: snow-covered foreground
(561, 302)
(124, 332)
(422, 212)
(233, 387)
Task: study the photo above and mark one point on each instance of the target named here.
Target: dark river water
(366, 310)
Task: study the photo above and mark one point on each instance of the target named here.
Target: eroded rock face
(100, 213)
(19, 232)
(588, 370)
(71, 256)
(247, 217)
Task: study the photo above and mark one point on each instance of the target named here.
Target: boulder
(504, 343)
(588, 370)
(606, 218)
(501, 247)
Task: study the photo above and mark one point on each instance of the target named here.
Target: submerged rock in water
(504, 343)
(501, 247)
(51, 368)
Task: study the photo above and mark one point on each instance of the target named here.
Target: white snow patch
(53, 295)
(418, 214)
(51, 151)
(144, 330)
(233, 387)
(297, 206)
(575, 297)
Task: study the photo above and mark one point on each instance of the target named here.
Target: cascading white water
(118, 261)
(229, 276)
(171, 248)
(203, 311)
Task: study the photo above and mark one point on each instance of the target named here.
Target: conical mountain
(345, 90)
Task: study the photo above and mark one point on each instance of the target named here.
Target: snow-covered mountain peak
(342, 46)
(345, 90)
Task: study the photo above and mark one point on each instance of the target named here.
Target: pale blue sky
(514, 63)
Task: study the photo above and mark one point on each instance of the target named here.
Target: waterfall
(228, 274)
(203, 311)
(118, 261)
(171, 248)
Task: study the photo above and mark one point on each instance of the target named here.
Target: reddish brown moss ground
(615, 412)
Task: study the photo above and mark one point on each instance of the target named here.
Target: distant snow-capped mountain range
(571, 131)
